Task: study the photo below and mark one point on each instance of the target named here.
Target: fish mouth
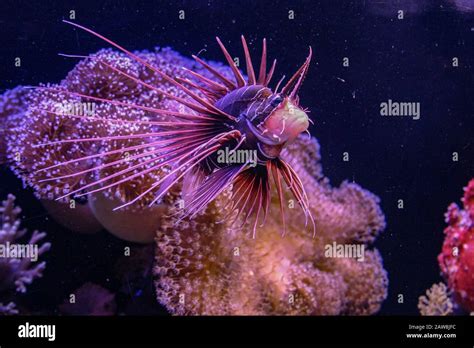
(286, 123)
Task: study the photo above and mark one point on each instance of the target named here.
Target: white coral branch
(17, 273)
(436, 301)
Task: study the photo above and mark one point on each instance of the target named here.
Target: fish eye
(277, 100)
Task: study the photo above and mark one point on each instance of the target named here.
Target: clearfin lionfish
(241, 115)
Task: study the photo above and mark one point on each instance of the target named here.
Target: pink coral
(456, 259)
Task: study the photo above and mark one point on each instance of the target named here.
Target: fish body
(225, 116)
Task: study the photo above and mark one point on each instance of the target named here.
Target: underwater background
(407, 59)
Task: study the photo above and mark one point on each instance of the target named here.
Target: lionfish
(245, 114)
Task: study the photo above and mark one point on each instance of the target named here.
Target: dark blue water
(406, 59)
